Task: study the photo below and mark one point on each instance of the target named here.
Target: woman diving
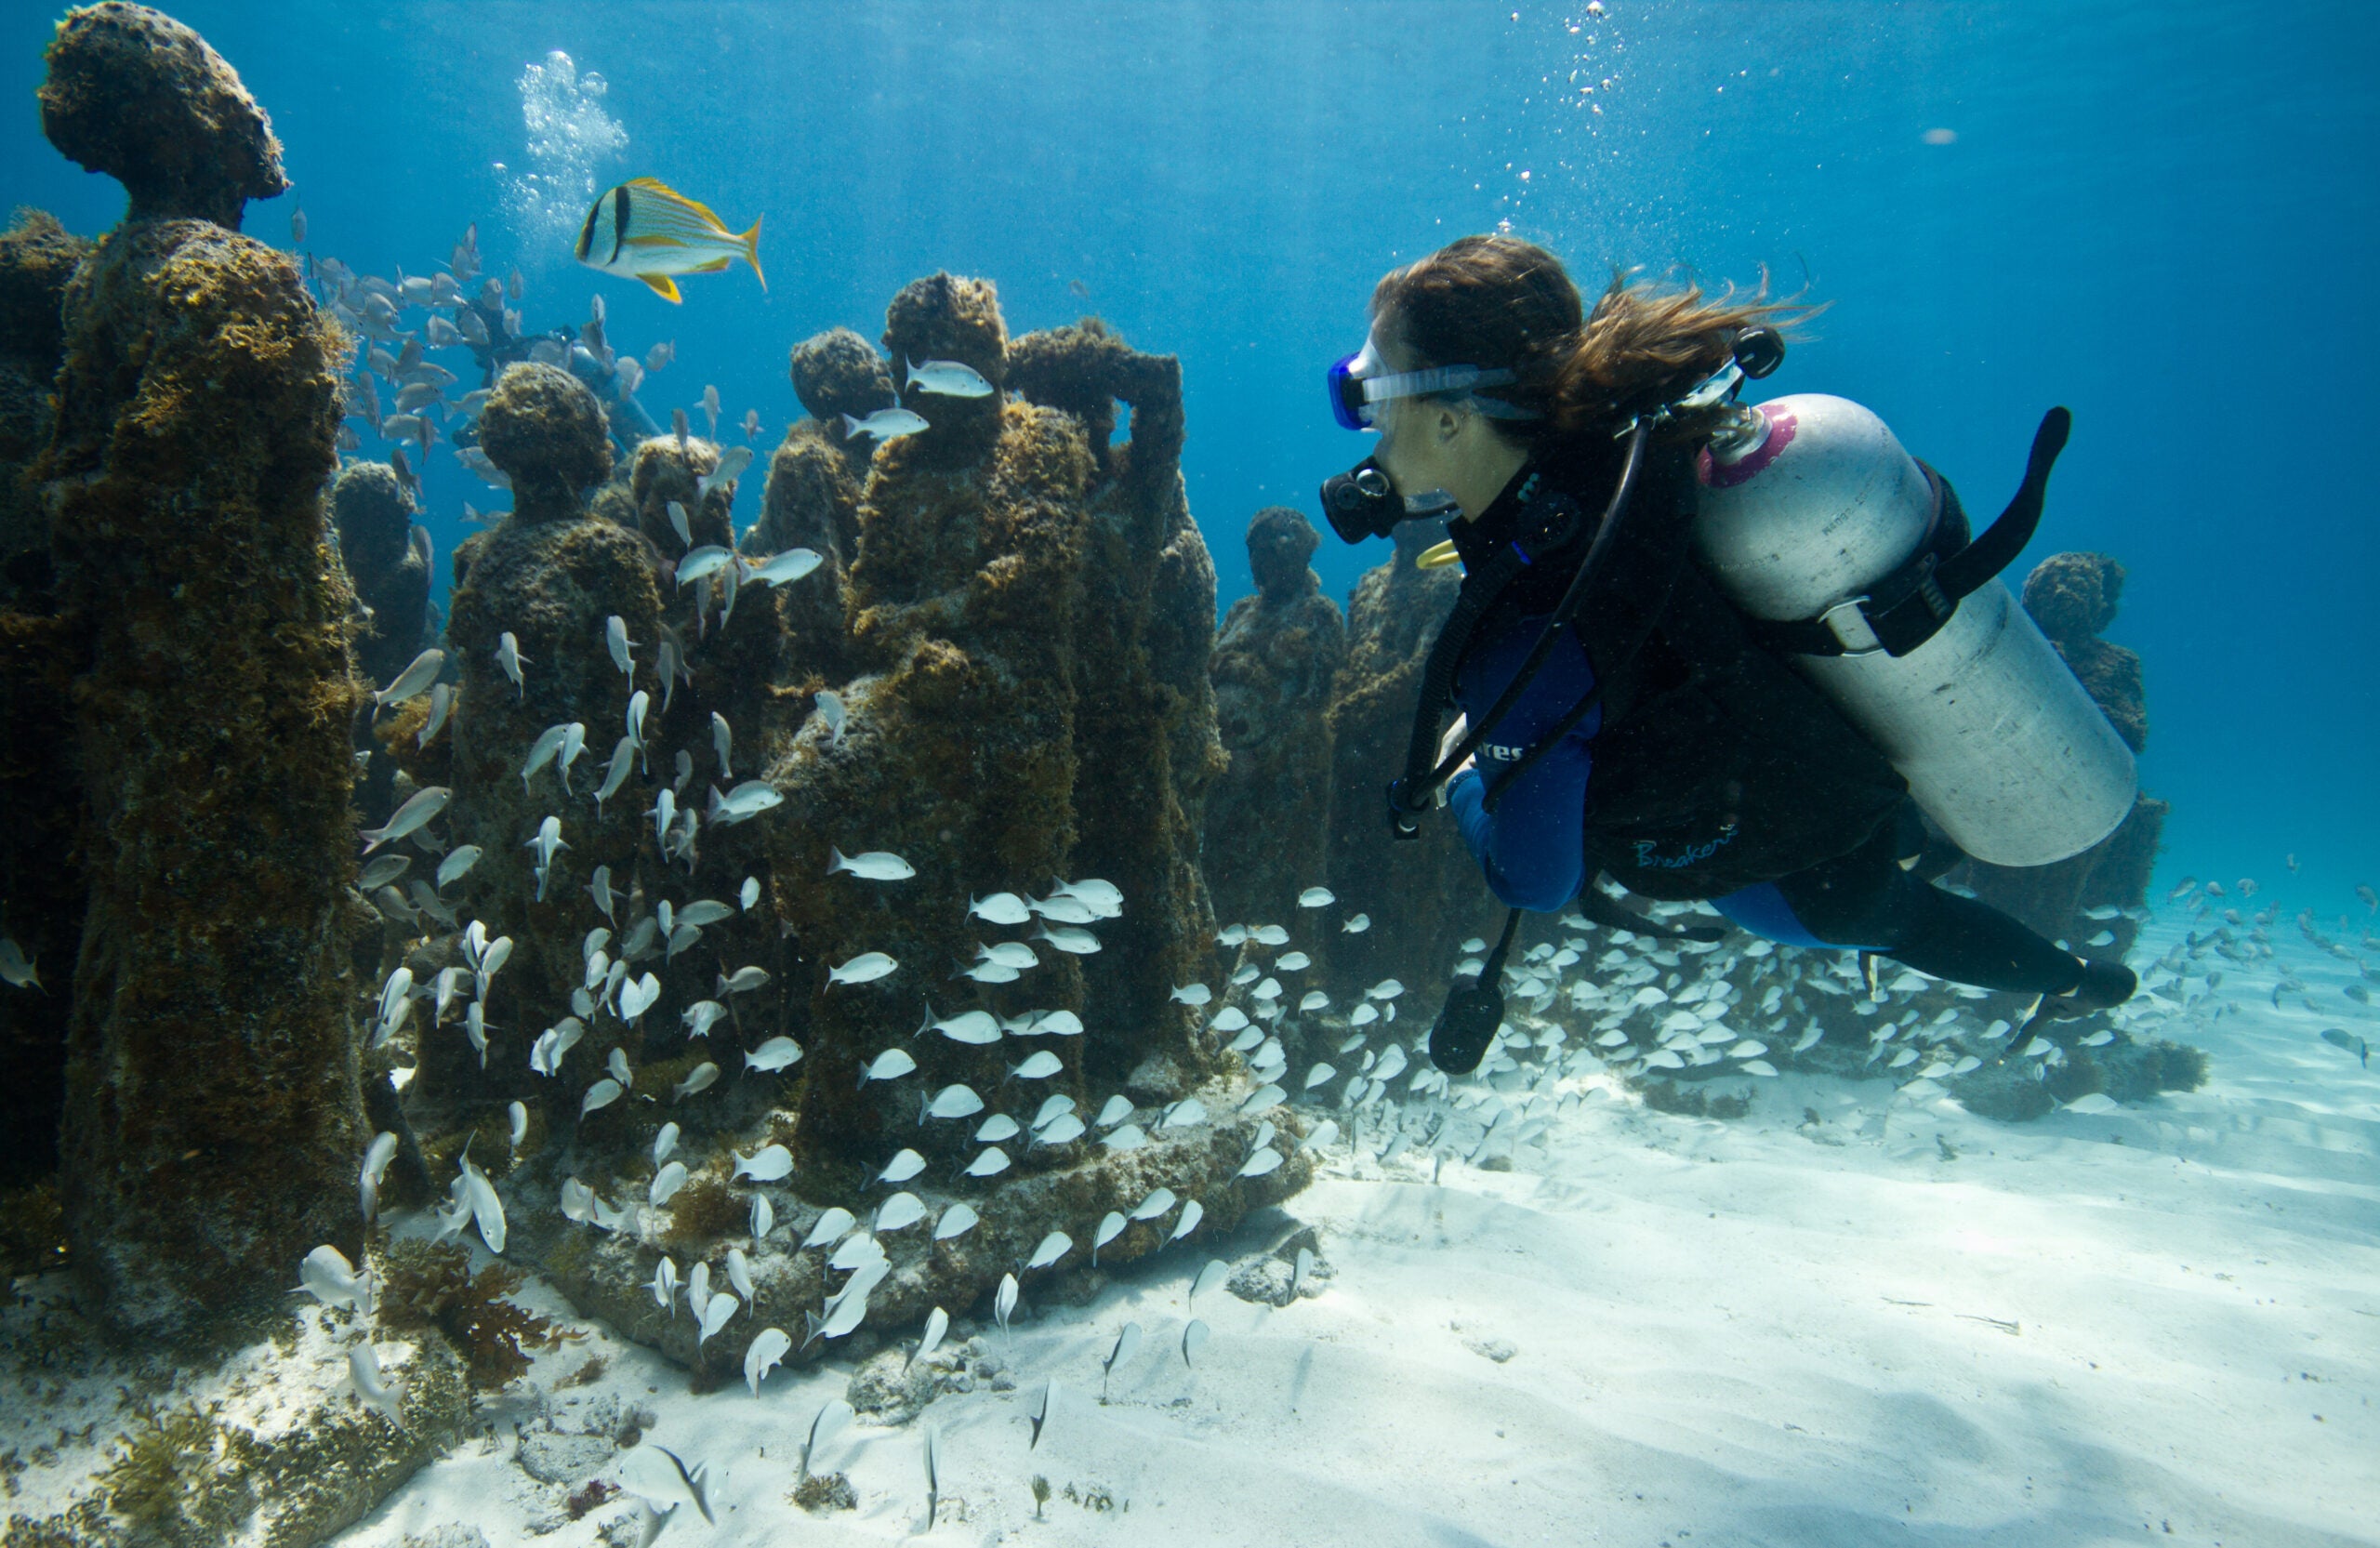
(1621, 712)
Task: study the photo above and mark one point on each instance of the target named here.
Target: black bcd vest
(1716, 766)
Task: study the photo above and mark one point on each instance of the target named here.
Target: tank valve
(1740, 433)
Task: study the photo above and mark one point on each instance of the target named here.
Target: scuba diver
(1643, 558)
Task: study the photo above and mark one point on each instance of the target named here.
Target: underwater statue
(815, 480)
(212, 1113)
(1276, 659)
(720, 821)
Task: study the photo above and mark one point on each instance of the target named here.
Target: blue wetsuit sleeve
(1531, 846)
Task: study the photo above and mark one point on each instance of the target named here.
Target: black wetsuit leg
(1865, 898)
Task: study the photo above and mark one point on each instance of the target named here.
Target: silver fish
(419, 675)
(703, 563)
(732, 463)
(548, 842)
(873, 866)
(623, 759)
(976, 1027)
(946, 378)
(744, 803)
(762, 1355)
(615, 640)
(770, 1164)
(380, 872)
(654, 1473)
(542, 752)
(866, 968)
(327, 1276)
(573, 743)
(509, 657)
(885, 424)
(1063, 910)
(832, 714)
(776, 1055)
(1076, 942)
(372, 1386)
(743, 980)
(441, 704)
(790, 566)
(998, 908)
(722, 739)
(375, 1166)
(699, 1079)
(425, 805)
(891, 1065)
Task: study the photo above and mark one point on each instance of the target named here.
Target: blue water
(2158, 214)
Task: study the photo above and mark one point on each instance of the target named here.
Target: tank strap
(1908, 607)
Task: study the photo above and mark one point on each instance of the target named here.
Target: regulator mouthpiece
(1361, 503)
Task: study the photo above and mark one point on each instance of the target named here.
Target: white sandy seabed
(1903, 1325)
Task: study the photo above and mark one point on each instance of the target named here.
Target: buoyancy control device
(1853, 562)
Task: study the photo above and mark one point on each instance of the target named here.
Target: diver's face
(1429, 443)
(1416, 435)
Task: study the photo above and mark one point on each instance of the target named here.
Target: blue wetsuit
(1530, 845)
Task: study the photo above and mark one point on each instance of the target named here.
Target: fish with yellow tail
(648, 230)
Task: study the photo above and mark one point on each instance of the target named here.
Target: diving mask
(1361, 382)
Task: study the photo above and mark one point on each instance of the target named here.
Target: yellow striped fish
(648, 230)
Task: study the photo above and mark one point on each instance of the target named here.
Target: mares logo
(1648, 856)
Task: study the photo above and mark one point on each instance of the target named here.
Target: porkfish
(648, 230)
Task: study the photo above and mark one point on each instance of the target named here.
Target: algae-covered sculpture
(37, 257)
(815, 483)
(212, 1122)
(41, 810)
(1268, 817)
(135, 95)
(547, 580)
(387, 557)
(385, 563)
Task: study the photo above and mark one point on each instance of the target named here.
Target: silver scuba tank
(1806, 504)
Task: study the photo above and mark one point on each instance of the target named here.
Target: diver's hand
(1446, 744)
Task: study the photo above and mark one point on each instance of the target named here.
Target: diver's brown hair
(1501, 302)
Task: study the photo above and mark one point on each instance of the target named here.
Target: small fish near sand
(2339, 1037)
(646, 229)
